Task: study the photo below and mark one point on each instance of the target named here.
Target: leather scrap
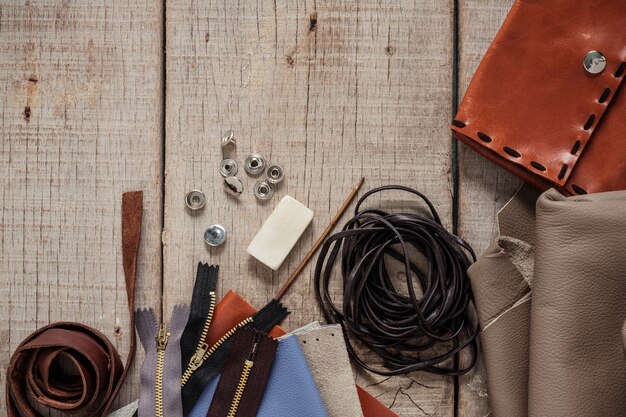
(325, 351)
(33, 371)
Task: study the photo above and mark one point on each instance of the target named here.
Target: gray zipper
(155, 337)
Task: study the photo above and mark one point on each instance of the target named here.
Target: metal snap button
(274, 174)
(263, 190)
(594, 62)
(233, 186)
(228, 138)
(215, 235)
(195, 199)
(228, 168)
(254, 164)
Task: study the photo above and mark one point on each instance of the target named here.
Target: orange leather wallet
(545, 102)
(233, 308)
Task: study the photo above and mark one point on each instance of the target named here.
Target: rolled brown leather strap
(35, 372)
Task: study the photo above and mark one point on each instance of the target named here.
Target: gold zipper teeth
(202, 354)
(198, 357)
(243, 380)
(161, 343)
(228, 334)
(209, 318)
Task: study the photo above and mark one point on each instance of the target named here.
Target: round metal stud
(263, 190)
(233, 186)
(228, 138)
(215, 235)
(195, 199)
(594, 62)
(228, 168)
(255, 164)
(274, 174)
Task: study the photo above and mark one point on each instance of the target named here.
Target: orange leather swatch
(534, 109)
(233, 308)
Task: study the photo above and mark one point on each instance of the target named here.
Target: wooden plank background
(80, 113)
(102, 97)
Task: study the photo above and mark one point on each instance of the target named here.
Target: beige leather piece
(502, 297)
(505, 346)
(497, 283)
(517, 218)
(576, 366)
(325, 351)
(501, 281)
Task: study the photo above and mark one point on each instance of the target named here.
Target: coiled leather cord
(409, 332)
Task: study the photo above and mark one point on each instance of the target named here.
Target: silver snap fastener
(274, 174)
(594, 62)
(195, 199)
(254, 164)
(263, 190)
(228, 168)
(215, 235)
(233, 186)
(228, 138)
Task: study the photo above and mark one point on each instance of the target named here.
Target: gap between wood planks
(455, 160)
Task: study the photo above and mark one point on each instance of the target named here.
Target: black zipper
(264, 320)
(193, 346)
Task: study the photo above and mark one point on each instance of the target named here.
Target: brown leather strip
(34, 372)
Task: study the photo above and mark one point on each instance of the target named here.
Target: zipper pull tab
(162, 337)
(198, 357)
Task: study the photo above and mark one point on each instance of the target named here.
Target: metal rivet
(274, 174)
(255, 164)
(233, 186)
(228, 138)
(215, 235)
(594, 62)
(263, 190)
(228, 168)
(195, 199)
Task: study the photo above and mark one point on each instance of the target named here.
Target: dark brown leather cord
(400, 327)
(34, 372)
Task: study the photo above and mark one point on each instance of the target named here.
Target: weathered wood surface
(483, 187)
(332, 90)
(80, 122)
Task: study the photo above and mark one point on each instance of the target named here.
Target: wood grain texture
(80, 115)
(484, 187)
(332, 90)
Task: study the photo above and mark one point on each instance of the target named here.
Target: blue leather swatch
(290, 390)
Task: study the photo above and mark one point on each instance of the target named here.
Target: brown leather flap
(531, 101)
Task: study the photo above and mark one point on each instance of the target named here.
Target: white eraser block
(280, 232)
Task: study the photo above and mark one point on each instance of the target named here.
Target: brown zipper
(204, 352)
(241, 386)
(247, 369)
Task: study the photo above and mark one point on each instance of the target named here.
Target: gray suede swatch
(326, 354)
